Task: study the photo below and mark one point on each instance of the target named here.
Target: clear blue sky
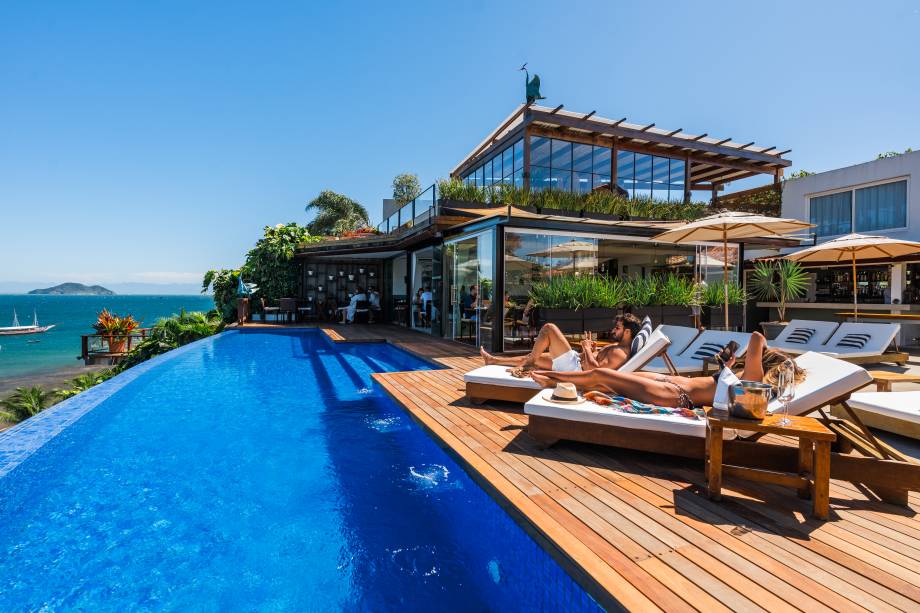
(152, 141)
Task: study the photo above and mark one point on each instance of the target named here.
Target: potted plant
(601, 299)
(640, 294)
(713, 300)
(779, 281)
(116, 329)
(675, 295)
(557, 302)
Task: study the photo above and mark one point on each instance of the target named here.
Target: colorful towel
(628, 405)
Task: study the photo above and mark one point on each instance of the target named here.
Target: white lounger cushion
(495, 374)
(681, 337)
(826, 379)
(801, 335)
(706, 344)
(592, 413)
(860, 340)
(898, 405)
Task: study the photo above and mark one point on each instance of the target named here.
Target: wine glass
(786, 384)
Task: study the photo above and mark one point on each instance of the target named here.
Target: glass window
(507, 163)
(660, 176)
(831, 214)
(643, 176)
(495, 165)
(518, 156)
(539, 177)
(600, 180)
(562, 155)
(601, 165)
(481, 176)
(626, 168)
(561, 179)
(518, 178)
(582, 181)
(677, 180)
(539, 151)
(881, 207)
(581, 158)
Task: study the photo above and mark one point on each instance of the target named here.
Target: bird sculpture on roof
(532, 86)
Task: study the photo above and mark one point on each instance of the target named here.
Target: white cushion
(589, 412)
(707, 344)
(854, 339)
(495, 374)
(801, 335)
(899, 405)
(826, 379)
(656, 343)
(681, 337)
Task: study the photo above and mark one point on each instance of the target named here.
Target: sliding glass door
(469, 264)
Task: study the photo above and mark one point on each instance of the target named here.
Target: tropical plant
(224, 284)
(674, 290)
(268, 264)
(85, 382)
(405, 188)
(25, 402)
(171, 332)
(798, 174)
(779, 280)
(335, 214)
(115, 327)
(714, 295)
(455, 189)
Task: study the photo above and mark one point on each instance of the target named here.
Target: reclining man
(551, 350)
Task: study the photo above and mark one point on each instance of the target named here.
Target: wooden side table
(813, 478)
(883, 379)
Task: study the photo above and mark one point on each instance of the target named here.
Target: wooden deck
(637, 530)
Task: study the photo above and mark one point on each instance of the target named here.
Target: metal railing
(417, 212)
(110, 345)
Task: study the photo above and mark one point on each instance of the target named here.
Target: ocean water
(261, 470)
(73, 316)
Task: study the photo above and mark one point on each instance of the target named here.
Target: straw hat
(565, 393)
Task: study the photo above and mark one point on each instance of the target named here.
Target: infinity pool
(256, 471)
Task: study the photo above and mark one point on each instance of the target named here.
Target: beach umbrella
(854, 247)
(573, 248)
(733, 225)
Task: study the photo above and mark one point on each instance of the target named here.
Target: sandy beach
(58, 378)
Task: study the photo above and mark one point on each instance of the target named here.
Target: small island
(74, 289)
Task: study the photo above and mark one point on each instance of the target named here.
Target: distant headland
(74, 289)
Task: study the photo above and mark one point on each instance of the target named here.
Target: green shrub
(673, 290)
(714, 294)
(25, 402)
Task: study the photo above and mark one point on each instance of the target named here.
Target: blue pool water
(259, 471)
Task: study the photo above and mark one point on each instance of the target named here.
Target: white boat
(17, 329)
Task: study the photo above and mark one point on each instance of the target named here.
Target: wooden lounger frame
(881, 468)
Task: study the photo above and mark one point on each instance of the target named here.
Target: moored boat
(19, 329)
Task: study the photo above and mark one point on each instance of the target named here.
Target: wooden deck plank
(637, 529)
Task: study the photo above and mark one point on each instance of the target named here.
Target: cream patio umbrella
(573, 248)
(733, 225)
(854, 247)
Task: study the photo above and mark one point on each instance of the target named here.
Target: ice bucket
(749, 399)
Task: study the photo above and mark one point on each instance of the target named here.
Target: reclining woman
(761, 364)
(551, 350)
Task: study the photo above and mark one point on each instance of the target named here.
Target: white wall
(796, 192)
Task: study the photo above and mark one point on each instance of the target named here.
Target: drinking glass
(786, 385)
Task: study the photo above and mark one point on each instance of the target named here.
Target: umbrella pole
(855, 305)
(725, 272)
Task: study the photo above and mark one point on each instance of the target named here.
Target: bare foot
(487, 357)
(541, 378)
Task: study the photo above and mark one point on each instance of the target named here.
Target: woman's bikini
(683, 396)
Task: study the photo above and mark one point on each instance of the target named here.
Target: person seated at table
(470, 303)
(373, 299)
(349, 311)
(760, 364)
(551, 350)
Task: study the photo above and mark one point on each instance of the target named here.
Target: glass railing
(417, 212)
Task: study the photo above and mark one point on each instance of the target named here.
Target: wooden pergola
(710, 162)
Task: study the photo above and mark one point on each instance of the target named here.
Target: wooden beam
(501, 142)
(722, 142)
(617, 122)
(556, 110)
(664, 139)
(614, 153)
(526, 173)
(648, 127)
(746, 146)
(688, 177)
(700, 137)
(589, 115)
(674, 132)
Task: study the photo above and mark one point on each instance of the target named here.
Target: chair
(362, 312)
(494, 382)
(681, 337)
(287, 308)
(863, 342)
(267, 310)
(897, 412)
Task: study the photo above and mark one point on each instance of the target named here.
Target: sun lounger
(707, 344)
(828, 381)
(862, 341)
(803, 335)
(681, 337)
(494, 382)
(897, 412)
